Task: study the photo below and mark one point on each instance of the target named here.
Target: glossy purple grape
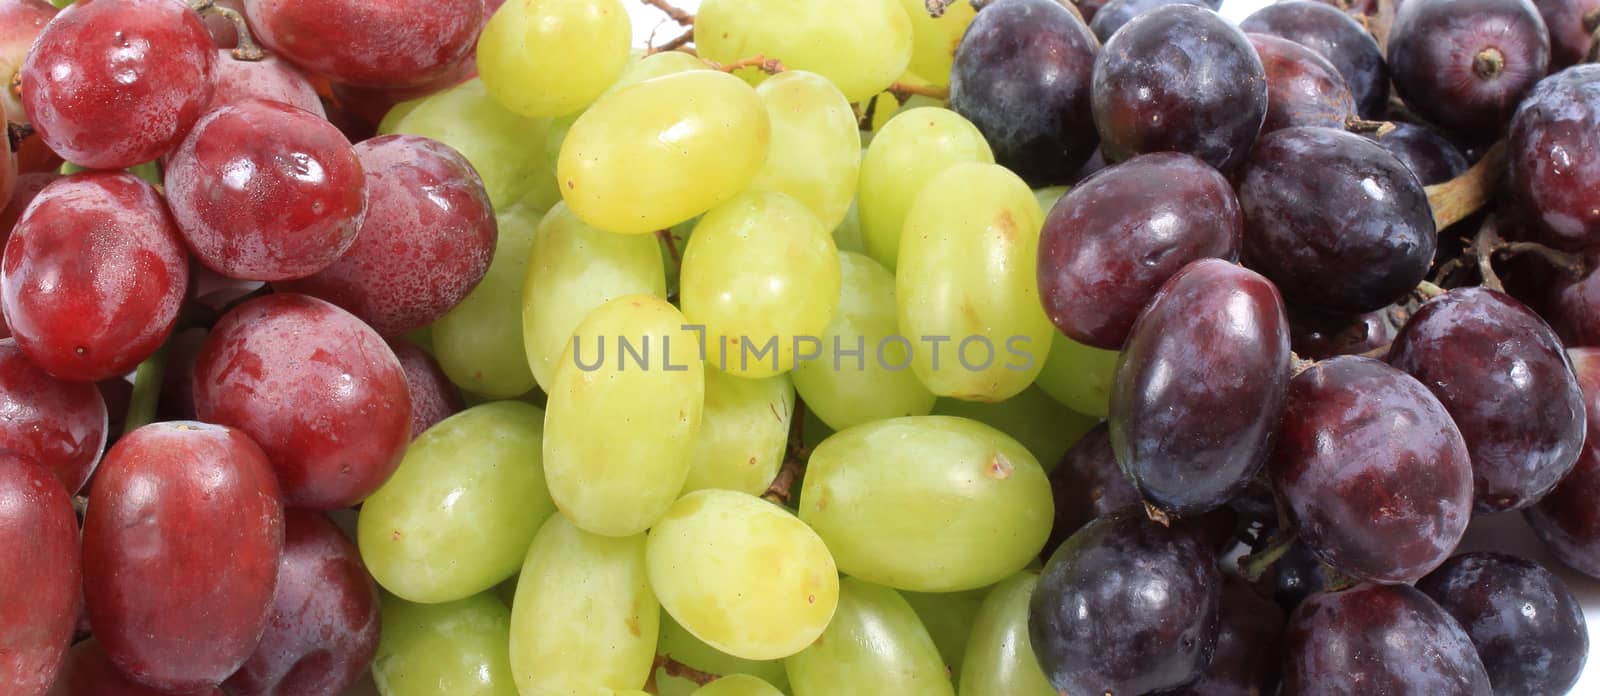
(1567, 519)
(1317, 337)
(1379, 639)
(1464, 65)
(1248, 646)
(1553, 158)
(1429, 155)
(1303, 88)
(1088, 483)
(1336, 36)
(1117, 13)
(1571, 24)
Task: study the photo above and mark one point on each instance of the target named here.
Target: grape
(1110, 242)
(688, 650)
(621, 485)
(553, 57)
(934, 39)
(874, 645)
(268, 78)
(21, 21)
(861, 46)
(759, 275)
(459, 513)
(28, 188)
(738, 685)
(88, 672)
(1212, 107)
(1502, 374)
(169, 610)
(1566, 518)
(39, 573)
(323, 629)
(479, 343)
(457, 648)
(385, 43)
(1552, 169)
(318, 390)
(1528, 628)
(1316, 337)
(265, 191)
(1334, 220)
(963, 285)
(1337, 37)
(929, 503)
(93, 276)
(1117, 13)
(1088, 483)
(1296, 575)
(433, 397)
(1378, 639)
(1200, 387)
(948, 616)
(506, 149)
(815, 154)
(711, 564)
(1031, 417)
(744, 433)
(1303, 88)
(1022, 75)
(1463, 65)
(1125, 606)
(56, 424)
(1429, 155)
(1372, 469)
(1078, 376)
(8, 174)
(118, 83)
(671, 148)
(1571, 29)
(425, 242)
(906, 153)
(999, 657)
(1248, 653)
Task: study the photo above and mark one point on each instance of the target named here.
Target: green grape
(928, 503)
(688, 650)
(966, 276)
(553, 57)
(948, 617)
(906, 153)
(875, 645)
(624, 412)
(744, 433)
(457, 648)
(999, 657)
(934, 40)
(815, 154)
(847, 234)
(506, 149)
(584, 615)
(761, 276)
(479, 342)
(1032, 418)
(1048, 196)
(861, 46)
(651, 155)
(1079, 376)
(743, 575)
(572, 269)
(457, 515)
(738, 685)
(876, 383)
(647, 67)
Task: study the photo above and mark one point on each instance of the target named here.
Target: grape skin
(41, 572)
(60, 425)
(1389, 639)
(1335, 36)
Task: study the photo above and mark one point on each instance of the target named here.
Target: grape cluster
(825, 348)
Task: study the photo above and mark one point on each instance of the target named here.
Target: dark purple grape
(1463, 65)
(1527, 626)
(1021, 75)
(1088, 484)
(1335, 36)
(1179, 78)
(1303, 88)
(1573, 309)
(1248, 648)
(1372, 470)
(1567, 519)
(1429, 155)
(1337, 222)
(1571, 24)
(1125, 606)
(1502, 374)
(1113, 15)
(1296, 575)
(1317, 337)
(1379, 639)
(1553, 157)
(1199, 387)
(1110, 242)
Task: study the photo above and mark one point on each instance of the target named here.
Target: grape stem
(247, 50)
(1254, 565)
(18, 132)
(936, 8)
(1458, 198)
(903, 92)
(1489, 242)
(1356, 124)
(677, 42)
(673, 13)
(1298, 364)
(674, 668)
(146, 391)
(793, 468)
(770, 66)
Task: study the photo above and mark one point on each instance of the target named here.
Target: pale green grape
(553, 57)
(742, 574)
(1048, 196)
(966, 275)
(999, 658)
(744, 432)
(909, 150)
(572, 269)
(934, 40)
(877, 383)
(948, 617)
(761, 275)
(861, 46)
(458, 514)
(815, 155)
(847, 234)
(457, 648)
(651, 155)
(624, 411)
(1032, 418)
(651, 66)
(929, 503)
(691, 651)
(479, 342)
(505, 148)
(1079, 376)
(875, 645)
(738, 685)
(584, 615)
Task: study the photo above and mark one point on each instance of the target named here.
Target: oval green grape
(479, 342)
(744, 433)
(505, 148)
(815, 155)
(934, 39)
(738, 685)
(1079, 376)
(875, 645)
(457, 648)
(688, 650)
(999, 658)
(1047, 428)
(861, 46)
(909, 150)
(948, 617)
(553, 57)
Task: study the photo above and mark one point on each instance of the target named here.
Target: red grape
(1303, 88)
(39, 576)
(177, 376)
(324, 625)
(180, 553)
(319, 390)
(61, 425)
(28, 188)
(1463, 65)
(20, 23)
(377, 43)
(222, 29)
(1379, 639)
(426, 241)
(88, 672)
(269, 78)
(109, 85)
(1571, 33)
(433, 397)
(266, 191)
(1429, 155)
(1567, 519)
(1553, 155)
(1333, 35)
(1248, 648)
(93, 276)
